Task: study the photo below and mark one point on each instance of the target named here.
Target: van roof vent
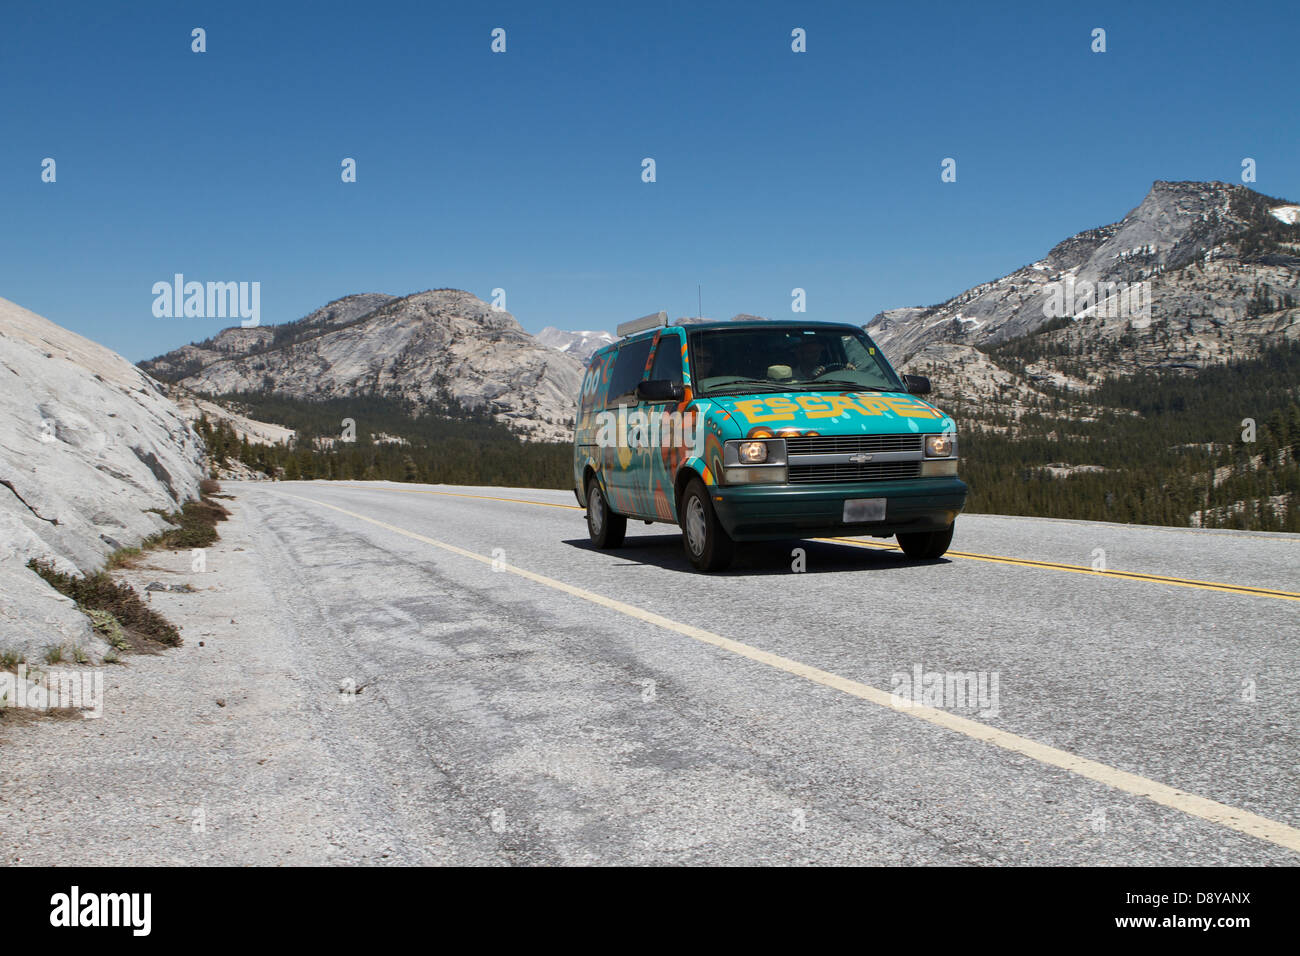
(654, 321)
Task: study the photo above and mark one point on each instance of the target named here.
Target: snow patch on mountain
(1287, 214)
(581, 345)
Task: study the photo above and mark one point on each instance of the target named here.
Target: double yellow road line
(1079, 569)
(967, 555)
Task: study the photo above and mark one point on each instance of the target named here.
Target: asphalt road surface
(523, 698)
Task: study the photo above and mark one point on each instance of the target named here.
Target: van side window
(591, 381)
(628, 369)
(668, 360)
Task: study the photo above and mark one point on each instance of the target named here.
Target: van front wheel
(605, 528)
(708, 546)
(926, 545)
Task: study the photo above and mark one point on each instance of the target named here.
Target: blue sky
(522, 170)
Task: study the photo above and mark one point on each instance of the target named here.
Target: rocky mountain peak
(1177, 226)
(343, 310)
(452, 308)
(422, 347)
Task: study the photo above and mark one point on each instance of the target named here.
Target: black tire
(707, 544)
(605, 528)
(926, 545)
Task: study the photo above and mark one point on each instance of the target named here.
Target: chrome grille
(867, 471)
(851, 444)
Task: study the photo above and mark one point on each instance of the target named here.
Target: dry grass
(116, 612)
(196, 526)
(123, 558)
(119, 607)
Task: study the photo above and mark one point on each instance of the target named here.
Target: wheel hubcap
(595, 510)
(696, 526)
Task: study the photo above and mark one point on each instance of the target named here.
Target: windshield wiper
(842, 382)
(748, 385)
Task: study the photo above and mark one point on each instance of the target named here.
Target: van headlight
(751, 461)
(940, 446)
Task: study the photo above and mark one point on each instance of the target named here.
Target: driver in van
(807, 362)
(810, 360)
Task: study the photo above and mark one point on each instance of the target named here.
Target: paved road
(573, 706)
(594, 734)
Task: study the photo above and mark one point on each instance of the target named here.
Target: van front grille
(867, 471)
(851, 444)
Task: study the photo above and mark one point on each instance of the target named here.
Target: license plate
(864, 509)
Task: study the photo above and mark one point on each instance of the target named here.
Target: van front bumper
(757, 512)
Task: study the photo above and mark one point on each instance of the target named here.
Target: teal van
(752, 430)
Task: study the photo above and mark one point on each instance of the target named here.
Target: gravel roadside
(237, 748)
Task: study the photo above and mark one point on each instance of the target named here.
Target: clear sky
(523, 170)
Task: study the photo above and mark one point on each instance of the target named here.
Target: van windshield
(788, 358)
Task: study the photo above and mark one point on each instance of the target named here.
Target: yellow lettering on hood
(779, 408)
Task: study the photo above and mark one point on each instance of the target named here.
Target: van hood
(832, 413)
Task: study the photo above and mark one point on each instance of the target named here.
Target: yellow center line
(1079, 569)
(1233, 818)
(968, 555)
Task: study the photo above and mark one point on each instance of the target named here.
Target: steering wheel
(821, 370)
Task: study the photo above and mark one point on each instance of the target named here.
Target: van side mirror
(660, 390)
(916, 384)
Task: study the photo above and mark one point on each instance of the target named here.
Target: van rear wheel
(708, 546)
(926, 545)
(605, 528)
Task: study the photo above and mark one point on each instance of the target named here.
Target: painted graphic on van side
(638, 451)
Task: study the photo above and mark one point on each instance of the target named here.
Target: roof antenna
(699, 292)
